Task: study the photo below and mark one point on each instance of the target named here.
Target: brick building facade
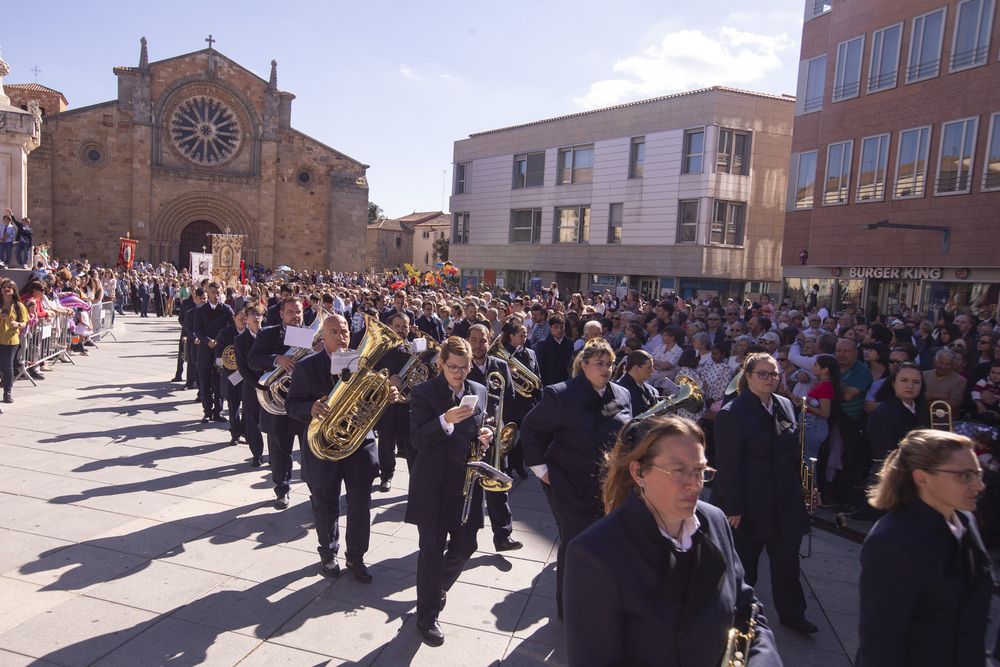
(195, 144)
(389, 245)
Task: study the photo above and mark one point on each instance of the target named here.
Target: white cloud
(407, 72)
(690, 59)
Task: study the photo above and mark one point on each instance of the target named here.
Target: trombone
(488, 474)
(941, 416)
(807, 471)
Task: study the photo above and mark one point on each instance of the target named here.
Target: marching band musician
(232, 392)
(394, 426)
(513, 339)
(443, 433)
(565, 439)
(254, 313)
(209, 319)
(266, 355)
(312, 382)
(638, 370)
(497, 504)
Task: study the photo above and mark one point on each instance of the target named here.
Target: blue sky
(395, 84)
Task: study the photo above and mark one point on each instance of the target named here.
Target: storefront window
(849, 294)
(516, 280)
(981, 298)
(803, 291)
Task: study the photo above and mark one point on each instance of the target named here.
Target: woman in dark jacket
(925, 574)
(638, 370)
(901, 409)
(759, 485)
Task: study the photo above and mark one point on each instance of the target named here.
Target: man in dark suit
(186, 305)
(210, 319)
(398, 301)
(273, 315)
(312, 382)
(497, 505)
(394, 426)
(267, 354)
(229, 383)
(143, 293)
(555, 353)
(444, 431)
(521, 405)
(462, 326)
(429, 322)
(254, 313)
(198, 298)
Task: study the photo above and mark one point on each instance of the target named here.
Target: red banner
(126, 254)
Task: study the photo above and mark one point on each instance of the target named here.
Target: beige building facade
(428, 228)
(682, 193)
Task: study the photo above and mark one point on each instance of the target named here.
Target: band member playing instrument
(657, 580)
(394, 426)
(638, 370)
(267, 354)
(254, 313)
(209, 319)
(565, 438)
(444, 431)
(311, 384)
(497, 505)
(513, 339)
(232, 392)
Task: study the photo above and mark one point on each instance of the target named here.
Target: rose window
(205, 130)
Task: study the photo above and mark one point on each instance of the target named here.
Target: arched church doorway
(193, 239)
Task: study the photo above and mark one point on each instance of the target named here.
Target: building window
(427, 258)
(871, 173)
(461, 169)
(460, 228)
(885, 58)
(847, 79)
(694, 150)
(526, 226)
(911, 163)
(925, 46)
(572, 224)
(805, 180)
(733, 156)
(615, 216)
(991, 178)
(687, 221)
(971, 45)
(727, 223)
(576, 165)
(958, 139)
(399, 242)
(529, 170)
(819, 7)
(636, 157)
(811, 92)
(838, 173)
(426, 235)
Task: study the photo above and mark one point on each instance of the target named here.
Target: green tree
(375, 213)
(441, 250)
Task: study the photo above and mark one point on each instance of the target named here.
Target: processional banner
(226, 254)
(126, 253)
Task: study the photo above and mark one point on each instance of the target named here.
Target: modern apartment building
(894, 182)
(683, 193)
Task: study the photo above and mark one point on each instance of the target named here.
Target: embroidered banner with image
(126, 253)
(226, 252)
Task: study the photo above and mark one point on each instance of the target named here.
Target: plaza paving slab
(131, 534)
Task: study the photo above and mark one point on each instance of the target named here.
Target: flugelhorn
(272, 388)
(526, 383)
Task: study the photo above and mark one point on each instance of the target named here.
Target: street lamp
(945, 239)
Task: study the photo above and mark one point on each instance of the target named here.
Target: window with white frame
(461, 169)
(805, 180)
(637, 156)
(529, 170)
(958, 141)
(733, 156)
(687, 221)
(526, 226)
(884, 67)
(925, 46)
(576, 165)
(911, 162)
(871, 172)
(572, 224)
(728, 219)
(847, 78)
(991, 171)
(815, 84)
(694, 151)
(838, 173)
(971, 45)
(615, 215)
(819, 7)
(460, 228)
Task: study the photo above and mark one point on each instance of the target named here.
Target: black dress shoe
(206, 419)
(177, 379)
(507, 544)
(281, 502)
(331, 569)
(360, 570)
(431, 632)
(197, 399)
(234, 442)
(219, 418)
(801, 625)
(256, 463)
(385, 485)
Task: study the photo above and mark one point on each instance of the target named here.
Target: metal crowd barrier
(43, 341)
(102, 319)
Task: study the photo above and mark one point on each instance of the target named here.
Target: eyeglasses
(964, 476)
(684, 475)
(767, 375)
(896, 361)
(600, 365)
(457, 369)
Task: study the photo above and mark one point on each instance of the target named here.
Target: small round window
(93, 153)
(305, 178)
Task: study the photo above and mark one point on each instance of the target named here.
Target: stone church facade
(195, 144)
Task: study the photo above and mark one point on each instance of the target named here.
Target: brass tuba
(526, 383)
(688, 398)
(272, 388)
(357, 402)
(424, 370)
(941, 416)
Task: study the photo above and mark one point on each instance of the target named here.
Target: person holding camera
(13, 320)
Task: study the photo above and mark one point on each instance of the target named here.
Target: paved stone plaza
(134, 535)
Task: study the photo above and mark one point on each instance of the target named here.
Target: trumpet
(738, 643)
(488, 475)
(526, 383)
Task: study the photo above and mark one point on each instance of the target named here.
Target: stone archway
(210, 208)
(193, 239)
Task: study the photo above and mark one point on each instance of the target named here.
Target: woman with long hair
(925, 582)
(657, 580)
(13, 320)
(877, 358)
